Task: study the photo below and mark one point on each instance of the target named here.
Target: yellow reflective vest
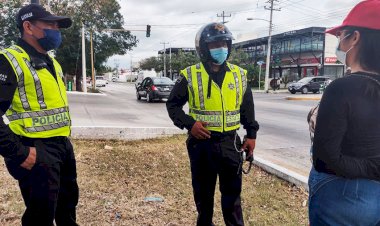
(39, 107)
(221, 110)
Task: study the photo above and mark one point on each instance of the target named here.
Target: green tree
(97, 15)
(183, 60)
(8, 28)
(151, 63)
(241, 58)
(238, 57)
(179, 61)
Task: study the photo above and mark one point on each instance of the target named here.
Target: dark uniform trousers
(209, 158)
(49, 189)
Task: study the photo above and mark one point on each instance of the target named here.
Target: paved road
(283, 137)
(118, 107)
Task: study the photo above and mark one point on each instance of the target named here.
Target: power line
(224, 16)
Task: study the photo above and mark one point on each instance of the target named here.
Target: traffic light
(147, 30)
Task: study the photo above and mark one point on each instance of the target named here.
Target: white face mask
(341, 55)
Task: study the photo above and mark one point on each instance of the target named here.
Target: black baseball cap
(37, 12)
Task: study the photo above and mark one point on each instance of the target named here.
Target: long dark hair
(369, 48)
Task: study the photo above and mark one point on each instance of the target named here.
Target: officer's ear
(27, 28)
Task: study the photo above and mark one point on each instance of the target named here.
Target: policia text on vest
(52, 119)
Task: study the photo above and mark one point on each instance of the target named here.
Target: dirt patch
(117, 179)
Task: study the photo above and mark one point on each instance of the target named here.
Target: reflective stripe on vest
(200, 90)
(244, 80)
(190, 83)
(36, 114)
(20, 83)
(237, 89)
(37, 83)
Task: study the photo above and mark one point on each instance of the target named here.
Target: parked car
(100, 81)
(308, 84)
(154, 88)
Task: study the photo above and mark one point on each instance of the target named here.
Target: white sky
(177, 21)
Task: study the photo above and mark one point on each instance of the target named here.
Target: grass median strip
(148, 182)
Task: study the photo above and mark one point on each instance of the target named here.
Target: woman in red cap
(344, 183)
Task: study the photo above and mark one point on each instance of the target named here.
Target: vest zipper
(221, 95)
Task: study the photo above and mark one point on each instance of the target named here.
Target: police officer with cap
(35, 143)
(219, 101)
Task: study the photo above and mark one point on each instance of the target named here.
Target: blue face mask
(219, 55)
(51, 40)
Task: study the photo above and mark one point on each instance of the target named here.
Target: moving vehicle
(143, 74)
(154, 88)
(308, 84)
(100, 81)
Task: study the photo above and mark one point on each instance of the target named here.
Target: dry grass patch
(115, 177)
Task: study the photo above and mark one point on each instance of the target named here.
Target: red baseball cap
(365, 14)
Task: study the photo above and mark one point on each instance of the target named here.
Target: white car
(100, 81)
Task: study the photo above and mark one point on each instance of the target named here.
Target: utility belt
(218, 135)
(27, 141)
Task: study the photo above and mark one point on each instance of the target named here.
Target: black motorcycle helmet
(210, 33)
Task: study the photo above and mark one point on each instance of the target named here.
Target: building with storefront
(297, 54)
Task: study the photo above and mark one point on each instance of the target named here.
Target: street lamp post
(260, 63)
(170, 61)
(84, 80)
(164, 43)
(267, 62)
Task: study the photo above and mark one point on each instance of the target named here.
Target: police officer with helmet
(35, 143)
(219, 101)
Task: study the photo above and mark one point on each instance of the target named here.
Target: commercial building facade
(297, 54)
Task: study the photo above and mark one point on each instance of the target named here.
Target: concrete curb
(304, 98)
(138, 133)
(270, 91)
(122, 133)
(283, 173)
(82, 93)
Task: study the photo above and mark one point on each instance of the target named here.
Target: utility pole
(84, 81)
(170, 61)
(164, 43)
(224, 16)
(267, 63)
(92, 63)
(130, 67)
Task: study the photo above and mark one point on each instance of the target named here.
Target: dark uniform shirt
(347, 133)
(179, 96)
(10, 143)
